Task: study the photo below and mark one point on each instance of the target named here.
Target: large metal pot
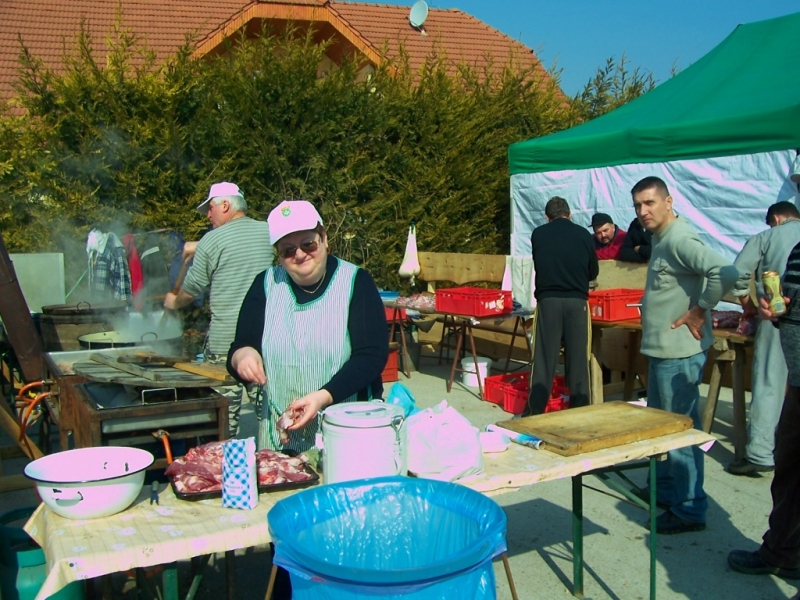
(114, 307)
(89, 483)
(118, 339)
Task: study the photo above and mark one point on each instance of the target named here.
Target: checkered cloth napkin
(239, 474)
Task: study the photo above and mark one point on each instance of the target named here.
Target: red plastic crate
(557, 403)
(473, 302)
(612, 305)
(493, 389)
(515, 393)
(516, 388)
(390, 371)
(401, 314)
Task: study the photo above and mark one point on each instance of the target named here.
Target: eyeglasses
(306, 247)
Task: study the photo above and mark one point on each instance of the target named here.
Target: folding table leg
(169, 579)
(653, 546)
(468, 330)
(230, 573)
(511, 585)
(271, 585)
(577, 536)
(459, 344)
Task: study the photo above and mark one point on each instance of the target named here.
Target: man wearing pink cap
(226, 261)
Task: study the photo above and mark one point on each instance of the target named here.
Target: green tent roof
(740, 98)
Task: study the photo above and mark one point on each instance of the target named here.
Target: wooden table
(464, 326)
(520, 466)
(729, 348)
(147, 535)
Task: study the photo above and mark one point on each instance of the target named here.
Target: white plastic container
(468, 376)
(363, 439)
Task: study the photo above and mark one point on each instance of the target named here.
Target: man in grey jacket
(685, 279)
(766, 251)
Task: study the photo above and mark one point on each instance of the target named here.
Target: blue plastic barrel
(391, 537)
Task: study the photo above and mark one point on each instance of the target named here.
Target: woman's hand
(311, 404)
(248, 364)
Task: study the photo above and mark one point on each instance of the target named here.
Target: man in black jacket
(637, 244)
(565, 262)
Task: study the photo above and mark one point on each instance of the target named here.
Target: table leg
(595, 371)
(459, 343)
(630, 364)
(739, 420)
(230, 573)
(468, 330)
(446, 328)
(714, 385)
(397, 320)
(511, 345)
(198, 566)
(169, 579)
(653, 546)
(577, 536)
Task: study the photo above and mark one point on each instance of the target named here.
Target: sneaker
(745, 467)
(669, 523)
(752, 563)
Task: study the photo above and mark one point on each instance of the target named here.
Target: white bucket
(468, 376)
(363, 439)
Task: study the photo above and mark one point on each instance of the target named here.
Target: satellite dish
(418, 14)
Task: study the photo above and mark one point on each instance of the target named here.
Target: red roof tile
(47, 27)
(451, 32)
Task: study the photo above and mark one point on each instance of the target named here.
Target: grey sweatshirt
(682, 273)
(766, 251)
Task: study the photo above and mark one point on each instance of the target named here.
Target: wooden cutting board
(599, 426)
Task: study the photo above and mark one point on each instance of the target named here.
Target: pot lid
(362, 414)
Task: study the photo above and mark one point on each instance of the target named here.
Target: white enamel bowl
(89, 483)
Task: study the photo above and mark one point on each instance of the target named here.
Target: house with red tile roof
(373, 32)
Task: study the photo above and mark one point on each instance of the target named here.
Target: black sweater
(564, 259)
(366, 325)
(637, 236)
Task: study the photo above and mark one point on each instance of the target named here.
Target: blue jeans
(673, 385)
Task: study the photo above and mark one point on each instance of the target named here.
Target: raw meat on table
(200, 471)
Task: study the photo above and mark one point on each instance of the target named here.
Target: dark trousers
(560, 319)
(781, 546)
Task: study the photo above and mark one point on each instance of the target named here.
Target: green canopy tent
(723, 134)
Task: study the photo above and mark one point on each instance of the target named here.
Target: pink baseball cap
(220, 189)
(290, 216)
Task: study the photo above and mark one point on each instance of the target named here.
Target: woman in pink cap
(311, 330)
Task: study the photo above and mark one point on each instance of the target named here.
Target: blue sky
(581, 34)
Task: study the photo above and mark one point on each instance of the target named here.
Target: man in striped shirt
(226, 261)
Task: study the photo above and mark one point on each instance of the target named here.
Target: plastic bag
(410, 265)
(389, 537)
(443, 444)
(402, 397)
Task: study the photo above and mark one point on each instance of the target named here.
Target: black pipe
(17, 320)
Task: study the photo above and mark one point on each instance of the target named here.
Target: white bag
(410, 265)
(443, 444)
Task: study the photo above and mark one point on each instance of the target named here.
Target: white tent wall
(725, 198)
